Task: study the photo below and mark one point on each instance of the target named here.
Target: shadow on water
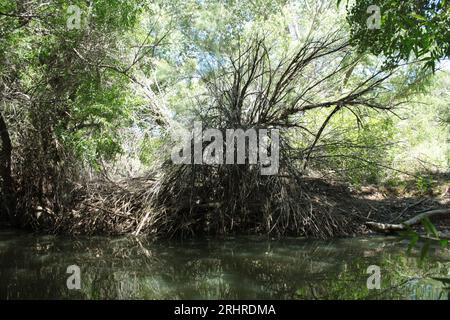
(234, 268)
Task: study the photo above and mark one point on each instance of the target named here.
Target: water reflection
(234, 268)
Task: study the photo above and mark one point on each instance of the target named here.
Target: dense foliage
(95, 89)
(407, 30)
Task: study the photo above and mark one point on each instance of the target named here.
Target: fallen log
(390, 227)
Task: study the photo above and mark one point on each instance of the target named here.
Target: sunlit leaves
(409, 30)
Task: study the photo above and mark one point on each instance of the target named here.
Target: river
(35, 266)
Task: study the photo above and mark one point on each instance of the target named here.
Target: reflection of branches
(382, 293)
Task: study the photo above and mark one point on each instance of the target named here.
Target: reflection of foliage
(127, 268)
(421, 276)
(349, 284)
(402, 277)
(432, 236)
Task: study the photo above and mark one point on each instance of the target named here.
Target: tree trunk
(8, 200)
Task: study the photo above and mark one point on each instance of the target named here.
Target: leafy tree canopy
(407, 30)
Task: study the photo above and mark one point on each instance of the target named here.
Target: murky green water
(234, 268)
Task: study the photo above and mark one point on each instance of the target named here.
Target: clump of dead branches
(220, 201)
(254, 92)
(251, 91)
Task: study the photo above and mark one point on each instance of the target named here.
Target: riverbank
(133, 207)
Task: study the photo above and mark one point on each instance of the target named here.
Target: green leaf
(418, 17)
(429, 227)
